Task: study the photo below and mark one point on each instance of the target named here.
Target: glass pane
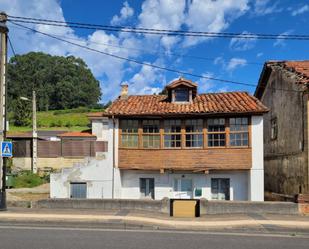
(238, 124)
(215, 140)
(151, 126)
(129, 126)
(129, 141)
(194, 125)
(239, 139)
(172, 126)
(194, 140)
(151, 141)
(186, 185)
(182, 94)
(216, 125)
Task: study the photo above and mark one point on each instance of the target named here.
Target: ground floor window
(147, 188)
(183, 188)
(220, 188)
(78, 190)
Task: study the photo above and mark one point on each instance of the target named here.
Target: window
(220, 189)
(183, 185)
(194, 133)
(147, 188)
(216, 132)
(151, 134)
(274, 129)
(172, 133)
(181, 95)
(129, 133)
(78, 190)
(239, 132)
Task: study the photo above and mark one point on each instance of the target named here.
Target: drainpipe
(113, 177)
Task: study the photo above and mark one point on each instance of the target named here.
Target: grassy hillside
(70, 119)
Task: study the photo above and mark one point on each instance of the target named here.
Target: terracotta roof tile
(76, 134)
(211, 103)
(299, 67)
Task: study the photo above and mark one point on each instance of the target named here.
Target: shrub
(26, 179)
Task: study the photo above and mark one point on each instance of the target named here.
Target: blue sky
(226, 58)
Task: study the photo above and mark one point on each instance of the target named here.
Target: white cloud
(260, 54)
(235, 63)
(240, 44)
(125, 13)
(300, 10)
(147, 81)
(196, 15)
(206, 85)
(162, 14)
(212, 16)
(281, 42)
(265, 7)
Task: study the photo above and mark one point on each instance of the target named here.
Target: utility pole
(34, 135)
(3, 63)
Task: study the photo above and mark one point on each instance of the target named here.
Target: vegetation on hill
(60, 83)
(69, 119)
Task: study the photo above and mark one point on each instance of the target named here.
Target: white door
(183, 188)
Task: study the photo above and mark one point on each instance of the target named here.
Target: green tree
(22, 113)
(60, 82)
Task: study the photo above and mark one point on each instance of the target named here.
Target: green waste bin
(9, 181)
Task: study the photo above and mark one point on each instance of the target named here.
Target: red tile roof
(211, 103)
(301, 68)
(76, 134)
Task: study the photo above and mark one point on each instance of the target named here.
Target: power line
(153, 51)
(136, 61)
(156, 31)
(148, 64)
(11, 46)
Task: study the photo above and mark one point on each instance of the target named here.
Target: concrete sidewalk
(158, 221)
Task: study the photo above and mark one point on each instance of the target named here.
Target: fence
(53, 149)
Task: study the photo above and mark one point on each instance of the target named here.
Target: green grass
(28, 180)
(71, 119)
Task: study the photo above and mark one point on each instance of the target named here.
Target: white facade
(105, 181)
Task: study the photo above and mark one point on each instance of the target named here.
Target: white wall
(256, 176)
(98, 173)
(164, 183)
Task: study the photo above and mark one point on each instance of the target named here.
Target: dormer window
(181, 91)
(182, 95)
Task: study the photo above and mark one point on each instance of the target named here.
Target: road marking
(278, 235)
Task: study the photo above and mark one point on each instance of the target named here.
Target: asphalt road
(36, 237)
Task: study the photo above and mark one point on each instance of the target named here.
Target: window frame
(165, 133)
(150, 134)
(181, 89)
(126, 133)
(274, 128)
(193, 133)
(217, 132)
(202, 130)
(231, 132)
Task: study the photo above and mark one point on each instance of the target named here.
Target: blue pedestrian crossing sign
(6, 149)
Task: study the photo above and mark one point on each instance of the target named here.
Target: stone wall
(286, 163)
(24, 163)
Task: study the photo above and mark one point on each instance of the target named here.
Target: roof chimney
(124, 91)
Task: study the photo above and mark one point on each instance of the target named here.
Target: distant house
(179, 145)
(283, 88)
(56, 149)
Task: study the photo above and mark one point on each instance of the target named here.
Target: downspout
(113, 176)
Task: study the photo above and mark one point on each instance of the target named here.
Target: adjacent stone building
(283, 88)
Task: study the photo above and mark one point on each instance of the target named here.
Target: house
(283, 87)
(179, 145)
(55, 149)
